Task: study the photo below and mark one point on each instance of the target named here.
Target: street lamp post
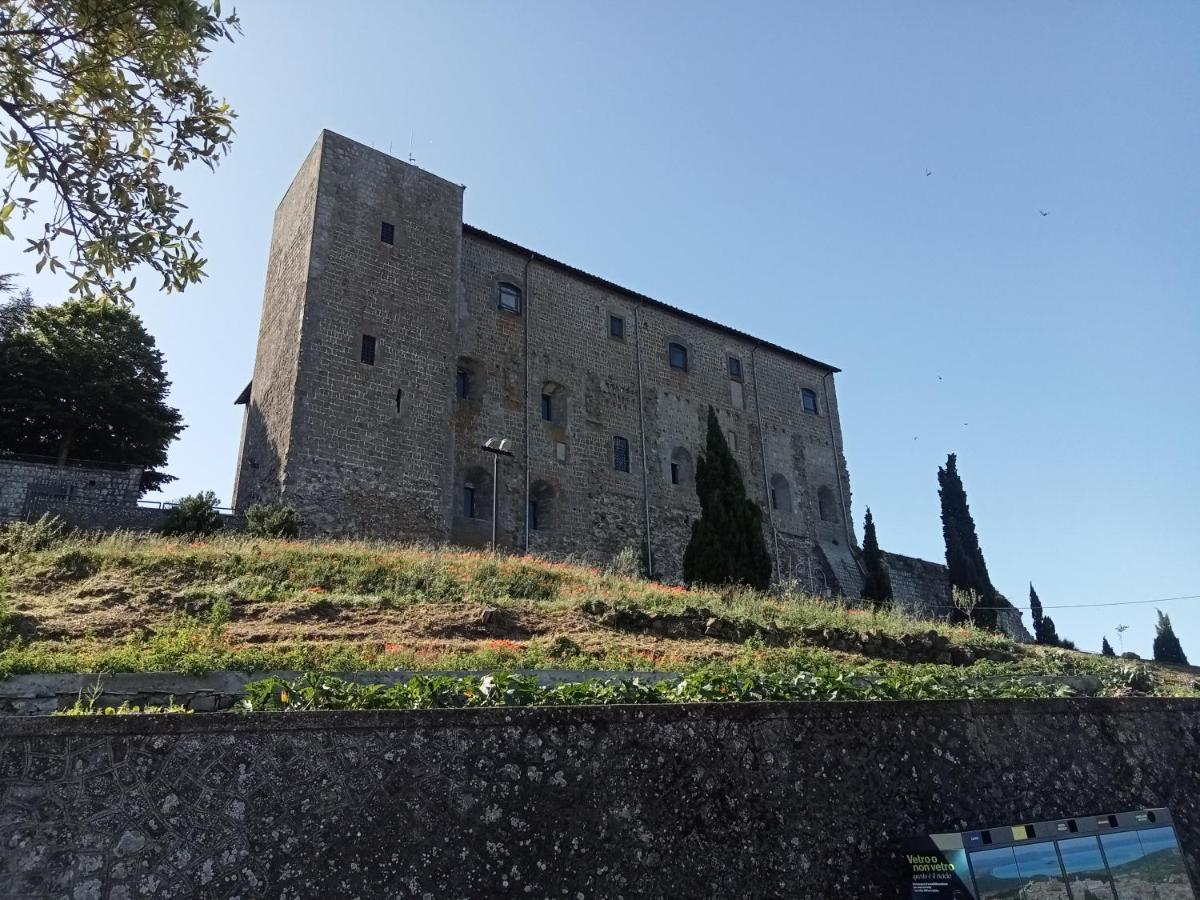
(498, 447)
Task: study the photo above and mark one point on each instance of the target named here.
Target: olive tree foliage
(98, 100)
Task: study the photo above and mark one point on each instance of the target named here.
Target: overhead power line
(1079, 605)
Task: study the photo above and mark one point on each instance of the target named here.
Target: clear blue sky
(764, 165)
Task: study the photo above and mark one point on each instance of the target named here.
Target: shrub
(29, 537)
(629, 563)
(194, 514)
(273, 520)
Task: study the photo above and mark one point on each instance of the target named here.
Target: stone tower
(348, 415)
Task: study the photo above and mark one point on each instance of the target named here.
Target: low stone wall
(115, 517)
(738, 800)
(25, 483)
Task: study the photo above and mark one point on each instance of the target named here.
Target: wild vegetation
(141, 603)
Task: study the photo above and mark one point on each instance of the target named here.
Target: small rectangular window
(620, 453)
(735, 368)
(732, 436)
(674, 473)
(462, 384)
(533, 515)
(510, 297)
(469, 501)
(387, 232)
(809, 398)
(678, 356)
(616, 327)
(368, 349)
(548, 407)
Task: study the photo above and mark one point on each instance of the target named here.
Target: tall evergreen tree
(964, 559)
(877, 584)
(1044, 631)
(727, 544)
(1166, 645)
(1106, 648)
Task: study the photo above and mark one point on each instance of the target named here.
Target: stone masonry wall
(24, 485)
(388, 449)
(807, 801)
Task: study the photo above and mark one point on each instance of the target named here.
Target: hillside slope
(136, 603)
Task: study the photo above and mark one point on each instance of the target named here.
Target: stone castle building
(396, 339)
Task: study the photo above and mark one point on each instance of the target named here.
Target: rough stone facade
(807, 801)
(28, 487)
(389, 448)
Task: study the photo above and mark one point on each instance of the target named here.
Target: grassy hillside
(133, 603)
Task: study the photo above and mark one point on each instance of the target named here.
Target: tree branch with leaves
(99, 99)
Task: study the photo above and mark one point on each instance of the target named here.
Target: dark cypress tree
(727, 544)
(1044, 631)
(964, 559)
(877, 583)
(1035, 612)
(1106, 648)
(1166, 645)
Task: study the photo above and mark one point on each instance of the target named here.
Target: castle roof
(642, 298)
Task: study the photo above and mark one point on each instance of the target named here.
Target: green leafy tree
(194, 514)
(877, 585)
(964, 559)
(1106, 648)
(727, 542)
(1166, 645)
(98, 98)
(84, 381)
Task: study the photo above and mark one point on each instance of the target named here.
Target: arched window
(542, 506)
(681, 466)
(826, 508)
(553, 403)
(468, 379)
(509, 297)
(781, 494)
(476, 494)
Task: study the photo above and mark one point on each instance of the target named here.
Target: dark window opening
(533, 515)
(399, 398)
(548, 407)
(735, 368)
(675, 478)
(462, 384)
(809, 399)
(616, 327)
(825, 507)
(678, 356)
(469, 501)
(510, 297)
(620, 454)
(368, 349)
(387, 232)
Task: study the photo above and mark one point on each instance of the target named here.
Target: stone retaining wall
(737, 800)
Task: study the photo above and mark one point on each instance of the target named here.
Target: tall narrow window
(468, 506)
(548, 407)
(731, 437)
(367, 354)
(510, 297)
(825, 506)
(387, 232)
(809, 399)
(620, 453)
(533, 515)
(735, 368)
(676, 475)
(677, 355)
(616, 327)
(462, 384)
(399, 399)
